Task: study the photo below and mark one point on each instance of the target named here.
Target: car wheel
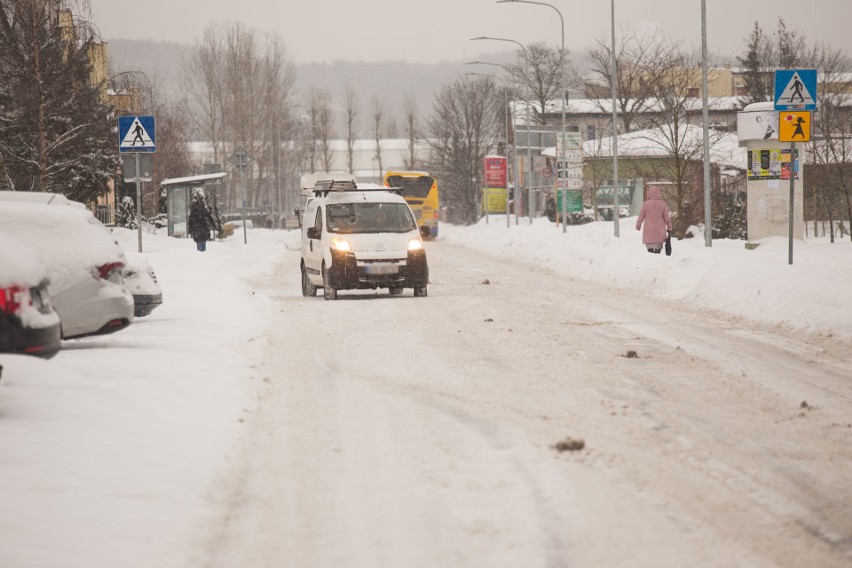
(395, 291)
(308, 289)
(328, 291)
(420, 291)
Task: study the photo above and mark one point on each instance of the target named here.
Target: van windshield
(369, 218)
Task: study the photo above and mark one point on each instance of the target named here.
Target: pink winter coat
(655, 216)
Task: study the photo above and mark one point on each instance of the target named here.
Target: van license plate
(381, 269)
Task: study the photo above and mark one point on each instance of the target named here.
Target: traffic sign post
(137, 134)
(795, 96)
(795, 89)
(241, 160)
(794, 126)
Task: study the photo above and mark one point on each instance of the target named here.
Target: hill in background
(391, 81)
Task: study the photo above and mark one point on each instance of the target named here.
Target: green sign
(574, 201)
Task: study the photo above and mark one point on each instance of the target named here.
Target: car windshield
(369, 218)
(417, 187)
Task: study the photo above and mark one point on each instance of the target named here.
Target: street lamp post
(615, 206)
(708, 230)
(529, 150)
(564, 160)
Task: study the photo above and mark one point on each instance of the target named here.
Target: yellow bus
(420, 190)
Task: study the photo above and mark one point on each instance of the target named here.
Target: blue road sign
(795, 89)
(136, 134)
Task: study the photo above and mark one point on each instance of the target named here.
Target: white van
(360, 236)
(308, 182)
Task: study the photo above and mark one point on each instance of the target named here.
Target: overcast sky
(440, 30)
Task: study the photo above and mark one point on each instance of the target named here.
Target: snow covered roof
(190, 180)
(604, 106)
(724, 146)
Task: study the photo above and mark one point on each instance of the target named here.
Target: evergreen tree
(756, 64)
(791, 47)
(126, 213)
(57, 133)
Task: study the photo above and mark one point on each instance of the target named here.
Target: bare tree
(409, 109)
(203, 86)
(638, 59)
(378, 118)
(324, 127)
(832, 147)
(676, 130)
(465, 124)
(350, 101)
(546, 71)
(237, 84)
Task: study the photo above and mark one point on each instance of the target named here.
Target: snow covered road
(401, 431)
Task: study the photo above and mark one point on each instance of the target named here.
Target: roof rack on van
(323, 187)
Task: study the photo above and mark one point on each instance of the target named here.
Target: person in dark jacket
(657, 220)
(200, 222)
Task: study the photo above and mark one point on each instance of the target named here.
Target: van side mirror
(313, 233)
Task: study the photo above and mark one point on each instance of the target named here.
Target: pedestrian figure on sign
(657, 221)
(200, 221)
(799, 131)
(137, 135)
(797, 90)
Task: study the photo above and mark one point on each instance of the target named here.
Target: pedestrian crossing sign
(136, 134)
(794, 126)
(795, 89)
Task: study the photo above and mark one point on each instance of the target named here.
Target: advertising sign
(574, 201)
(757, 125)
(494, 199)
(569, 160)
(773, 163)
(494, 171)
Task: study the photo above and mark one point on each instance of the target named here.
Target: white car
(28, 322)
(141, 280)
(361, 236)
(83, 262)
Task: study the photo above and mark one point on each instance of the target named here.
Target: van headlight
(340, 245)
(415, 244)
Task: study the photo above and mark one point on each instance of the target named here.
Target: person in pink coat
(655, 216)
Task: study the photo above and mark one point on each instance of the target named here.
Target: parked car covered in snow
(141, 280)
(83, 262)
(28, 322)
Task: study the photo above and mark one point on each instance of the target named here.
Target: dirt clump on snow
(569, 445)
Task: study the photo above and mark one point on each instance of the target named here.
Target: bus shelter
(178, 195)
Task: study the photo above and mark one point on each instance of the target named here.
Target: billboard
(757, 125)
(494, 171)
(772, 163)
(494, 199)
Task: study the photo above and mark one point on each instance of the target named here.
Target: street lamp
(540, 4)
(529, 150)
(562, 56)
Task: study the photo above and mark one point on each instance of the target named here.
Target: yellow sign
(794, 126)
(494, 199)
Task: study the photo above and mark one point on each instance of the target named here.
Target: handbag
(668, 244)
